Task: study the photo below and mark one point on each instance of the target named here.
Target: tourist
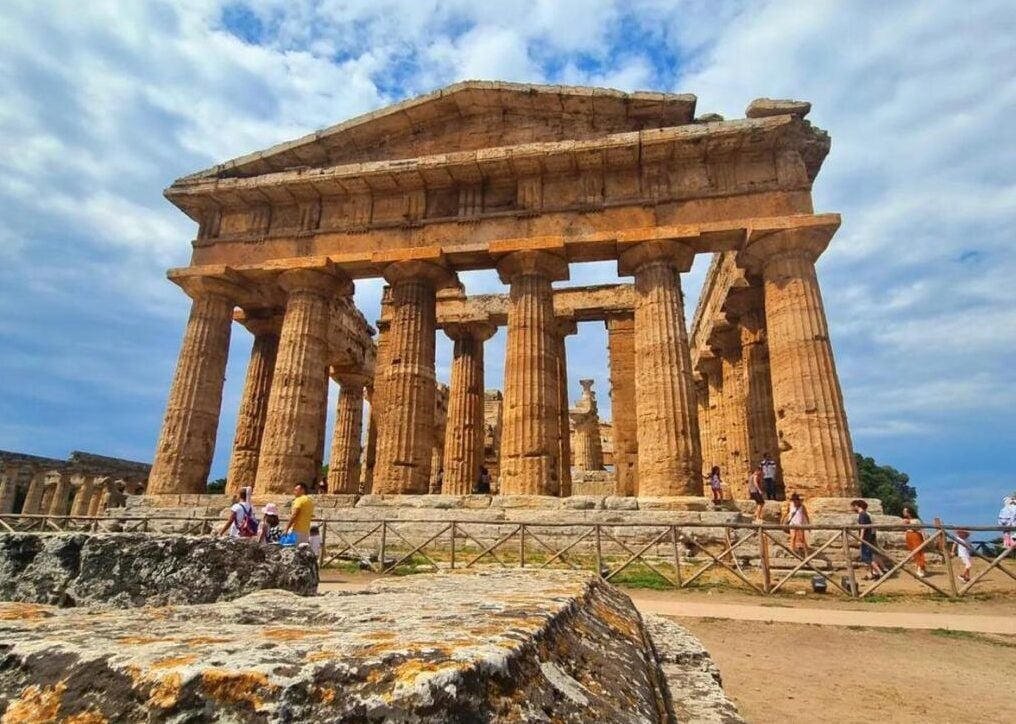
(271, 528)
(301, 515)
(755, 492)
(797, 516)
(1007, 519)
(315, 540)
(914, 539)
(439, 481)
(768, 466)
(241, 523)
(868, 539)
(483, 484)
(716, 485)
(964, 550)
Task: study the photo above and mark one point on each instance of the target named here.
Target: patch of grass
(877, 598)
(641, 577)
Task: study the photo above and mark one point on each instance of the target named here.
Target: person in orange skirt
(914, 538)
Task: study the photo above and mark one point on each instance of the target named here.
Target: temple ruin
(527, 180)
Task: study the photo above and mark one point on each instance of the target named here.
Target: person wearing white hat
(271, 528)
(1007, 518)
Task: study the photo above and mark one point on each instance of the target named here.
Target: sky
(103, 104)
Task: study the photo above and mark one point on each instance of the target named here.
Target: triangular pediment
(467, 116)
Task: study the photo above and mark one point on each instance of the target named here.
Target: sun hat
(271, 509)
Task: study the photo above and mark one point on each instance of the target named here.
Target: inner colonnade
(526, 180)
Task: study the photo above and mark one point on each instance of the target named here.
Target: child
(716, 485)
(271, 529)
(963, 549)
(315, 540)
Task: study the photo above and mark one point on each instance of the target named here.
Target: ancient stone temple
(528, 181)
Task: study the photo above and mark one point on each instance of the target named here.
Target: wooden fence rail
(680, 555)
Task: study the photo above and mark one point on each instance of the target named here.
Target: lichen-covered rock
(696, 689)
(491, 647)
(135, 569)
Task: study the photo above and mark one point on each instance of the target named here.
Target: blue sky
(103, 104)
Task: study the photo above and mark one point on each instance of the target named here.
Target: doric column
(293, 425)
(733, 407)
(564, 328)
(714, 446)
(36, 490)
(758, 389)
(621, 346)
(375, 396)
(815, 448)
(585, 416)
(8, 488)
(250, 420)
(60, 495)
(98, 492)
(463, 450)
(370, 446)
(670, 459)
(183, 456)
(530, 442)
(406, 429)
(83, 495)
(344, 462)
(704, 422)
(438, 443)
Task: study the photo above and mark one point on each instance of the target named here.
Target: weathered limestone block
(344, 462)
(183, 455)
(670, 459)
(294, 426)
(463, 452)
(250, 418)
(765, 107)
(135, 569)
(496, 647)
(530, 436)
(406, 428)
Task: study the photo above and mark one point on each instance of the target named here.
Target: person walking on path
(868, 539)
(301, 515)
(768, 466)
(914, 538)
(241, 523)
(1007, 518)
(963, 549)
(797, 516)
(716, 485)
(755, 492)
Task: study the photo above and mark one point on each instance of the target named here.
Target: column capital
(566, 327)
(532, 262)
(671, 251)
(349, 380)
(620, 322)
(708, 365)
(480, 331)
(200, 284)
(410, 270)
(260, 321)
(325, 282)
(802, 237)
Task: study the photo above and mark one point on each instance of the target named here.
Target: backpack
(249, 527)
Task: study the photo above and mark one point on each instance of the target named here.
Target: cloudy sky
(104, 103)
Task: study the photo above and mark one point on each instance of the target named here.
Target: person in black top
(869, 538)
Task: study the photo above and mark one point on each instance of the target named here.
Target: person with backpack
(241, 523)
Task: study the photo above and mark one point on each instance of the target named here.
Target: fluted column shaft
(36, 491)
(83, 496)
(564, 434)
(816, 453)
(761, 419)
(8, 488)
(531, 417)
(250, 420)
(60, 496)
(344, 462)
(183, 456)
(98, 491)
(406, 429)
(670, 458)
(293, 424)
(463, 451)
(733, 404)
(621, 346)
(704, 422)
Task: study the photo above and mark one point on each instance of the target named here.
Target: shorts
(758, 498)
(867, 553)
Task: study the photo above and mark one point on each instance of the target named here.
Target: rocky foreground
(490, 647)
(135, 569)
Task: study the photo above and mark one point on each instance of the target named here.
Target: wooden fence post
(849, 564)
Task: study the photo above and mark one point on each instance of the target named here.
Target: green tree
(885, 483)
(216, 487)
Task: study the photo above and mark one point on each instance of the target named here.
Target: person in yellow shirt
(303, 512)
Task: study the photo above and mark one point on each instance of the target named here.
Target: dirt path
(780, 672)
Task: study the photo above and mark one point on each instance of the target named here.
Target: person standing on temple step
(768, 466)
(716, 485)
(755, 492)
